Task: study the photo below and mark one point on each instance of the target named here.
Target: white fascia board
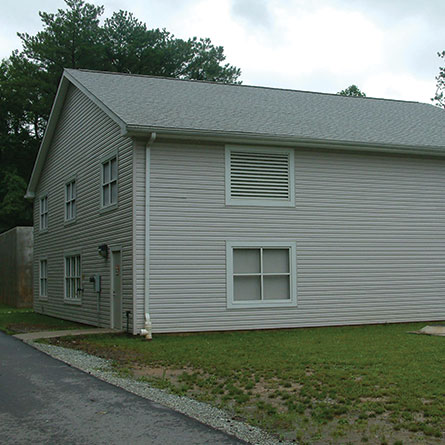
(59, 100)
(276, 140)
(95, 100)
(49, 131)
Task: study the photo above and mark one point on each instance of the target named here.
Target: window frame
(259, 201)
(243, 244)
(42, 214)
(68, 278)
(43, 278)
(70, 201)
(105, 160)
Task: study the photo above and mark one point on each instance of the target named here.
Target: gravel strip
(216, 418)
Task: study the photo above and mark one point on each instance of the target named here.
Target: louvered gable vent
(264, 176)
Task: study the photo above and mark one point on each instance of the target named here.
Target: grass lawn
(364, 384)
(15, 321)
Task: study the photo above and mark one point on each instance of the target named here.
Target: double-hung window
(73, 288)
(43, 279)
(109, 182)
(70, 200)
(44, 213)
(257, 176)
(261, 274)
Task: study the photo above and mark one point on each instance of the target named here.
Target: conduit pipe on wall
(146, 331)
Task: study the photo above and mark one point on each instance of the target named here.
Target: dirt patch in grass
(158, 373)
(310, 421)
(120, 356)
(373, 399)
(374, 385)
(24, 327)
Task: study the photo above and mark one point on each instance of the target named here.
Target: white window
(44, 213)
(43, 279)
(109, 182)
(73, 288)
(261, 274)
(260, 176)
(70, 200)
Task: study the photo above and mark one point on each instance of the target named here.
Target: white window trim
(260, 201)
(78, 299)
(41, 296)
(69, 181)
(103, 161)
(240, 244)
(41, 198)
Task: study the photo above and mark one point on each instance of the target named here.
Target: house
(196, 206)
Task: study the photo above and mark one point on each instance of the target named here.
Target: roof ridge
(245, 86)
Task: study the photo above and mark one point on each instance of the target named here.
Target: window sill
(76, 302)
(261, 305)
(258, 203)
(43, 298)
(42, 231)
(70, 222)
(108, 208)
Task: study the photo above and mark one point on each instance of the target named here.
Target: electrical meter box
(97, 280)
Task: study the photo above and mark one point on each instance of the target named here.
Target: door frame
(114, 250)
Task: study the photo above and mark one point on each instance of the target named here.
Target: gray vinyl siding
(369, 230)
(84, 134)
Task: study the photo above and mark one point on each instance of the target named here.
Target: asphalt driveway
(45, 401)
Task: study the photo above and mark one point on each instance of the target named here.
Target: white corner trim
(134, 242)
(147, 326)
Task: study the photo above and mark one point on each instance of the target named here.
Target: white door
(116, 290)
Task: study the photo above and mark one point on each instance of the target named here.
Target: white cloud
(331, 40)
(399, 86)
(255, 13)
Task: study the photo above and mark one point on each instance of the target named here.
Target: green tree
(352, 91)
(21, 128)
(75, 38)
(12, 204)
(71, 38)
(133, 48)
(439, 98)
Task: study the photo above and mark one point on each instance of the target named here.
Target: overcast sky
(388, 48)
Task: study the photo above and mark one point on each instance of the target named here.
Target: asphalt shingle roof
(153, 102)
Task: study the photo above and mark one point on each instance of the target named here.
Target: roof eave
(66, 79)
(94, 99)
(47, 136)
(271, 139)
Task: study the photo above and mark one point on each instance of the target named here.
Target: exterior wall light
(103, 250)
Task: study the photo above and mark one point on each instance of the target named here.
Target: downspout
(146, 331)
